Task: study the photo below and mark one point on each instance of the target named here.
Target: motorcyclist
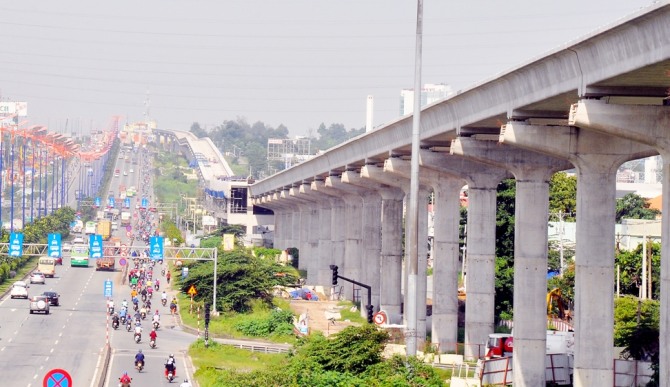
(153, 335)
(138, 331)
(157, 284)
(156, 318)
(123, 312)
(139, 357)
(125, 379)
(164, 296)
(115, 321)
(173, 307)
(124, 304)
(110, 306)
(143, 312)
(171, 365)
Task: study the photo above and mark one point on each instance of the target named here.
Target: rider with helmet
(125, 379)
(139, 357)
(171, 366)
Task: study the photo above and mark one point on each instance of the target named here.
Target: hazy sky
(293, 62)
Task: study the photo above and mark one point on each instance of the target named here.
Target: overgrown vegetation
(350, 358)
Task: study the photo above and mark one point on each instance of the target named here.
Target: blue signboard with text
(145, 203)
(126, 202)
(97, 202)
(54, 245)
(156, 248)
(111, 202)
(108, 288)
(95, 246)
(16, 244)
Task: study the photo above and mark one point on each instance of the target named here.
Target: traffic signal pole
(369, 307)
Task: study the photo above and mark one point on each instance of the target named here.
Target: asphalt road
(73, 335)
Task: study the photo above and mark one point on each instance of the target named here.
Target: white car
(78, 240)
(67, 247)
(19, 290)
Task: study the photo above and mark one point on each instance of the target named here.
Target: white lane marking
(52, 350)
(56, 343)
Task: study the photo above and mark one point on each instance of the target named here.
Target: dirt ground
(318, 313)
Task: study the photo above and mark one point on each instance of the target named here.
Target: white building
(429, 93)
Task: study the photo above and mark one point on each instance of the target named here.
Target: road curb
(102, 377)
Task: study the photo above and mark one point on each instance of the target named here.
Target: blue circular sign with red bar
(57, 378)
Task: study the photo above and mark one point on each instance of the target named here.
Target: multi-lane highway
(73, 335)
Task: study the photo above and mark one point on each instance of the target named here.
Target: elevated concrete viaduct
(589, 105)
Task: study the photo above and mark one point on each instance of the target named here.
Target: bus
(79, 256)
(90, 227)
(47, 266)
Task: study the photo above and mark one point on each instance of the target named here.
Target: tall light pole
(411, 316)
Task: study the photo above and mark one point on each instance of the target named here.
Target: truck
(90, 227)
(107, 261)
(125, 218)
(105, 228)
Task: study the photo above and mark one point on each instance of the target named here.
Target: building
(429, 94)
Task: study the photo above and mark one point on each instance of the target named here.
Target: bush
(278, 323)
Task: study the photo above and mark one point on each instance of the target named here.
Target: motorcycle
(156, 325)
(139, 366)
(129, 325)
(123, 320)
(170, 376)
(173, 308)
(115, 324)
(138, 337)
(124, 384)
(110, 310)
(157, 287)
(164, 301)
(163, 272)
(144, 315)
(152, 343)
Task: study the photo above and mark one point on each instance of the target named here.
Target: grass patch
(21, 272)
(347, 314)
(224, 324)
(229, 357)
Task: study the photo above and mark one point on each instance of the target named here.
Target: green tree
(630, 269)
(633, 206)
(504, 281)
(198, 131)
(563, 196)
(241, 278)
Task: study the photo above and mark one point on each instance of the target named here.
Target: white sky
(291, 62)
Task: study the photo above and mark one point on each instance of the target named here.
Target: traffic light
(206, 314)
(334, 269)
(370, 309)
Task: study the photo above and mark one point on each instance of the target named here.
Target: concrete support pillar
(532, 172)
(647, 125)
(446, 262)
(384, 268)
(482, 182)
(596, 158)
(323, 236)
(353, 224)
(309, 237)
(397, 180)
(335, 256)
(446, 188)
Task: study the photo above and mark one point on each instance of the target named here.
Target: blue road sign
(97, 202)
(112, 202)
(145, 203)
(16, 244)
(126, 202)
(156, 248)
(108, 288)
(95, 246)
(54, 246)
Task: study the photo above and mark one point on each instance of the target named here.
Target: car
(39, 304)
(37, 277)
(131, 170)
(67, 247)
(53, 297)
(78, 240)
(125, 173)
(19, 290)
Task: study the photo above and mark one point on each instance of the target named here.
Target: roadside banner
(54, 246)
